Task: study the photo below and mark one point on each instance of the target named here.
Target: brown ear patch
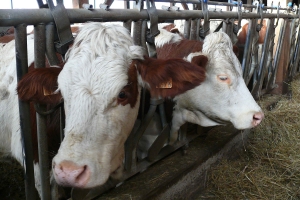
(38, 85)
(200, 60)
(174, 30)
(184, 75)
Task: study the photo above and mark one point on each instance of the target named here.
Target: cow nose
(257, 118)
(67, 173)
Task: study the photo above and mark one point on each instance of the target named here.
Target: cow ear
(200, 60)
(175, 30)
(39, 86)
(171, 77)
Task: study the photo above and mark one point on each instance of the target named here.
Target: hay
(269, 168)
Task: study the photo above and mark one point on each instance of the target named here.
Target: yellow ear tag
(165, 85)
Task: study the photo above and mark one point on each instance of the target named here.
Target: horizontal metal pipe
(10, 17)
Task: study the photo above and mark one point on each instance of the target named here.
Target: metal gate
(259, 71)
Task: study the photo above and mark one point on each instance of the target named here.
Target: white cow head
(100, 84)
(223, 96)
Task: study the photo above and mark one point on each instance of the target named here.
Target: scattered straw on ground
(270, 166)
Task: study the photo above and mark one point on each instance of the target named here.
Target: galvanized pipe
(33, 16)
(39, 62)
(22, 69)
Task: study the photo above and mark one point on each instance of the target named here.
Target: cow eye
(223, 78)
(122, 95)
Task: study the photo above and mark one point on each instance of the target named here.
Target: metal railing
(259, 73)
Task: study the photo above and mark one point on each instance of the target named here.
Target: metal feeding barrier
(53, 36)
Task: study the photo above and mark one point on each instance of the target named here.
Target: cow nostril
(84, 175)
(257, 118)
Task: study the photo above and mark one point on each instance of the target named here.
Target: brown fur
(171, 28)
(184, 75)
(131, 89)
(33, 85)
(179, 50)
(243, 34)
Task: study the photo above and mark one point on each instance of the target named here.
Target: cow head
(223, 96)
(100, 85)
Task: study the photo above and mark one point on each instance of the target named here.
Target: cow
(100, 85)
(223, 97)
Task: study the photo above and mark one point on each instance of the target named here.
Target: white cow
(223, 97)
(100, 84)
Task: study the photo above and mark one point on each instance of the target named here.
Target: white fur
(166, 37)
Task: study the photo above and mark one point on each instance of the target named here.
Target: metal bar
(193, 32)
(34, 16)
(187, 28)
(246, 64)
(293, 50)
(50, 49)
(132, 141)
(270, 55)
(261, 72)
(253, 53)
(296, 55)
(277, 55)
(227, 27)
(22, 68)
(39, 62)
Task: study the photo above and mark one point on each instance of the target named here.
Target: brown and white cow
(223, 97)
(100, 85)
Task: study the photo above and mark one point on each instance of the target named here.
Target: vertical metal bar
(62, 122)
(187, 28)
(137, 40)
(193, 31)
(50, 49)
(137, 32)
(296, 54)
(261, 71)
(277, 55)
(247, 51)
(293, 50)
(39, 62)
(22, 68)
(246, 64)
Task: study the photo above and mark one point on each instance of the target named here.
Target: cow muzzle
(68, 174)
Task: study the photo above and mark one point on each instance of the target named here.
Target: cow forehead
(98, 61)
(218, 47)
